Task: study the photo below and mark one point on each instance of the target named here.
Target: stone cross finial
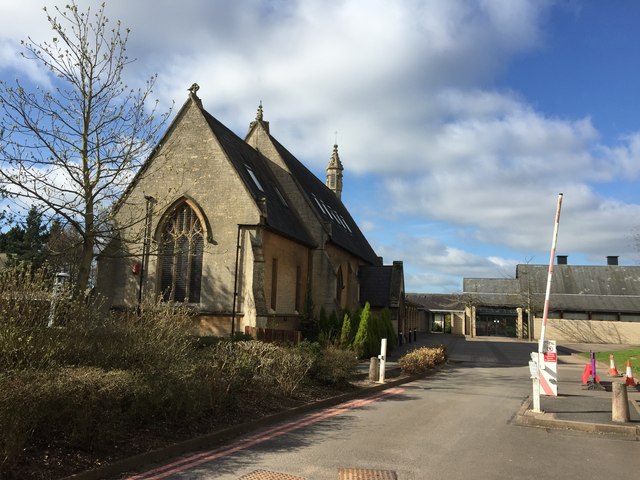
(193, 89)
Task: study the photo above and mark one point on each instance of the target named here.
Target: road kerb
(142, 460)
(526, 417)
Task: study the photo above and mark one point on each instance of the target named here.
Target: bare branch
(74, 148)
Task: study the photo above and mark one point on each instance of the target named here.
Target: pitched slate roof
(491, 285)
(573, 288)
(259, 179)
(344, 231)
(497, 292)
(440, 302)
(582, 280)
(584, 288)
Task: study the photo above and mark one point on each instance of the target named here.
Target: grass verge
(620, 358)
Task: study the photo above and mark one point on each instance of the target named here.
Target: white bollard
(534, 369)
(383, 359)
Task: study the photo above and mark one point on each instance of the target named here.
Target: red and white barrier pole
(551, 262)
(536, 381)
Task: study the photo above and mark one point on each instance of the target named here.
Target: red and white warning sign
(549, 369)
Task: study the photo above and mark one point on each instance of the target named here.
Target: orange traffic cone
(629, 381)
(613, 371)
(586, 373)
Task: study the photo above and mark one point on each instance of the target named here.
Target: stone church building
(240, 230)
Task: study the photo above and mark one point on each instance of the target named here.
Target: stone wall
(337, 257)
(290, 256)
(589, 331)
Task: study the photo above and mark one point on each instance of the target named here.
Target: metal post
(235, 285)
(593, 384)
(145, 248)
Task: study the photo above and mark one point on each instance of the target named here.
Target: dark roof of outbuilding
(375, 285)
(573, 288)
(493, 285)
(437, 301)
(260, 181)
(582, 279)
(381, 285)
(344, 231)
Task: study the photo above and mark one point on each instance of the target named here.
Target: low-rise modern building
(588, 303)
(440, 313)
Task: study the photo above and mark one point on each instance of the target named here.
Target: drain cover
(265, 475)
(365, 474)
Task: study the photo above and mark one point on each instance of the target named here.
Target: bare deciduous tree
(73, 147)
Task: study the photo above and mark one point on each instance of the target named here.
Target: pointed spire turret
(260, 119)
(334, 173)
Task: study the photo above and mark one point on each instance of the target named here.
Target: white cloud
(624, 158)
(409, 87)
(432, 265)
(11, 60)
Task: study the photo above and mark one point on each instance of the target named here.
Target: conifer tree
(361, 342)
(345, 333)
(26, 242)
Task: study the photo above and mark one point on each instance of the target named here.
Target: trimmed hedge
(422, 359)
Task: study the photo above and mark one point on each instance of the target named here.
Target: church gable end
(239, 230)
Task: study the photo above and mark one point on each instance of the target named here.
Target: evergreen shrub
(334, 366)
(345, 332)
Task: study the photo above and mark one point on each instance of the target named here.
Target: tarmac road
(456, 424)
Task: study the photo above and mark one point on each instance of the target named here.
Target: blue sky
(458, 122)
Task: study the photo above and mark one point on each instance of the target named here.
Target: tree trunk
(85, 265)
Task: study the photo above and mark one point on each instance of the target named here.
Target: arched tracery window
(181, 248)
